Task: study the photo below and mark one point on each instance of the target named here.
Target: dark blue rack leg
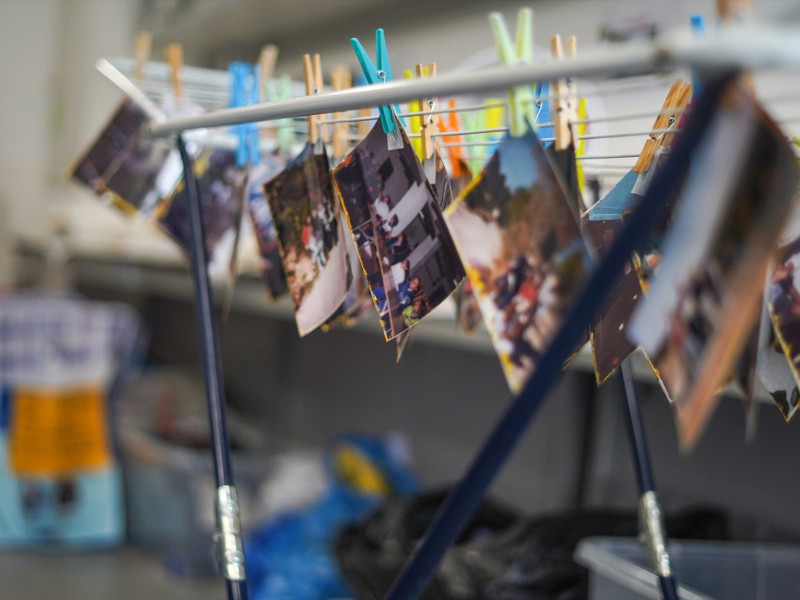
(228, 535)
(644, 469)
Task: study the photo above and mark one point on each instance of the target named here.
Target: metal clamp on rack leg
(651, 534)
(228, 536)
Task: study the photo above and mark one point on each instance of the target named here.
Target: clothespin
(520, 99)
(286, 136)
(380, 74)
(267, 59)
(456, 153)
(312, 72)
(577, 112)
(174, 56)
(560, 108)
(676, 100)
(414, 121)
(734, 10)
(698, 24)
(341, 79)
(141, 54)
(429, 124)
(243, 80)
(542, 112)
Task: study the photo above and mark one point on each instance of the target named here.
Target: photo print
(702, 306)
(221, 186)
(137, 171)
(523, 251)
(313, 252)
(405, 249)
(773, 369)
(264, 225)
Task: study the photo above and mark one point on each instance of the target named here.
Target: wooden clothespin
(141, 54)
(341, 79)
(677, 99)
(174, 56)
(559, 105)
(382, 73)
(429, 124)
(520, 99)
(734, 10)
(312, 72)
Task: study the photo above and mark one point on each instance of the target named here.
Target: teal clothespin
(380, 74)
(521, 99)
(285, 127)
(698, 31)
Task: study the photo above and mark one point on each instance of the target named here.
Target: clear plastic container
(619, 570)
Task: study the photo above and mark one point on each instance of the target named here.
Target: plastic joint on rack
(228, 536)
(652, 534)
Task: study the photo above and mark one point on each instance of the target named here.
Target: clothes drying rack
(719, 58)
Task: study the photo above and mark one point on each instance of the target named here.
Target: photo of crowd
(312, 250)
(405, 249)
(523, 251)
(264, 225)
(221, 186)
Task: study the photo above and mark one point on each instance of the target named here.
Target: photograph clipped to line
(264, 225)
(313, 252)
(702, 304)
(405, 249)
(137, 171)
(523, 251)
(773, 370)
(221, 185)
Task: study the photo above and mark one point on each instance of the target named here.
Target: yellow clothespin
(520, 99)
(414, 121)
(559, 104)
(141, 54)
(313, 77)
(341, 79)
(174, 55)
(676, 100)
(577, 112)
(429, 124)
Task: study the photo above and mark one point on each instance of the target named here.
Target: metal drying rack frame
(732, 49)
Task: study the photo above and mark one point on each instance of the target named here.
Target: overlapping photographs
(783, 293)
(702, 305)
(221, 186)
(405, 249)
(523, 251)
(772, 368)
(313, 252)
(137, 171)
(264, 225)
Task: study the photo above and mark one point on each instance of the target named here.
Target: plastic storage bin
(619, 570)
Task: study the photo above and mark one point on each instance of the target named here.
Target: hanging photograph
(221, 186)
(138, 171)
(405, 249)
(773, 370)
(313, 252)
(523, 251)
(702, 303)
(264, 225)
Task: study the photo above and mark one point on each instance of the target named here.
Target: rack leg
(228, 537)
(651, 529)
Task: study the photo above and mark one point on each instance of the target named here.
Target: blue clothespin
(520, 99)
(698, 31)
(247, 149)
(380, 74)
(542, 110)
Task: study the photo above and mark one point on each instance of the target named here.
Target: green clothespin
(380, 74)
(520, 99)
(285, 127)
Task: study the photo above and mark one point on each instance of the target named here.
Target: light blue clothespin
(380, 74)
(542, 110)
(698, 31)
(286, 136)
(242, 75)
(520, 99)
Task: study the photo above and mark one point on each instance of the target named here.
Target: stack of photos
(138, 171)
(221, 186)
(313, 252)
(405, 249)
(264, 225)
(702, 305)
(783, 295)
(523, 250)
